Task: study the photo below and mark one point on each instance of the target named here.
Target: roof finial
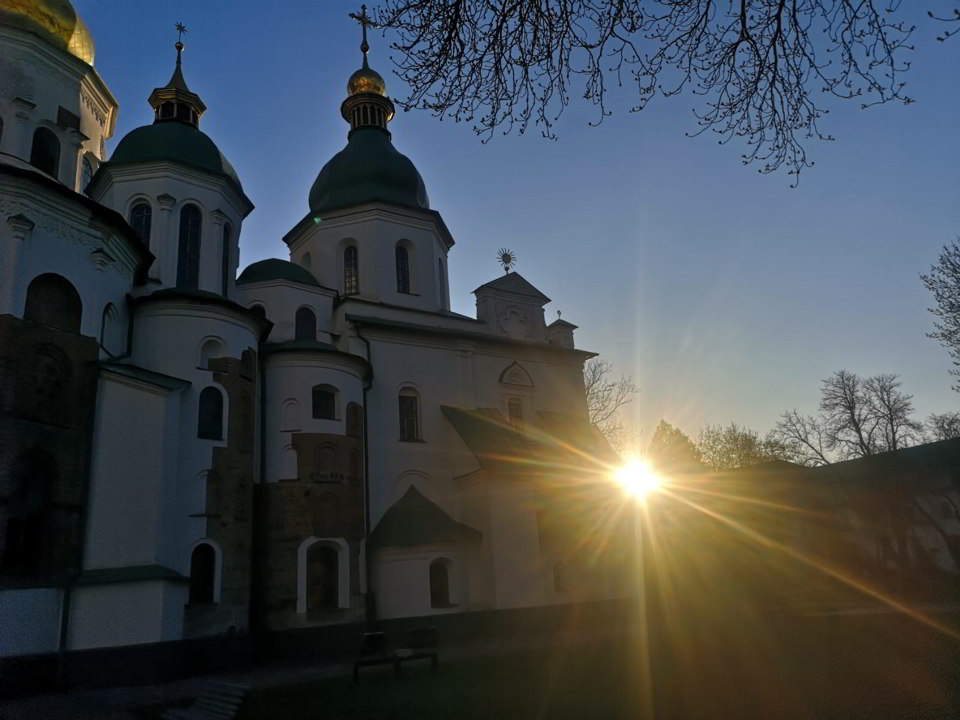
(181, 29)
(507, 259)
(365, 20)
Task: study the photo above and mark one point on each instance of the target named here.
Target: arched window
(323, 581)
(291, 415)
(111, 333)
(259, 310)
(45, 152)
(141, 218)
(211, 348)
(225, 258)
(203, 565)
(53, 301)
(188, 255)
(167, 110)
(441, 283)
(325, 464)
(87, 174)
(403, 269)
(23, 514)
(409, 406)
(324, 403)
(210, 414)
(305, 324)
(440, 583)
(351, 271)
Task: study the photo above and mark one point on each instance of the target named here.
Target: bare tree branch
(605, 397)
(944, 282)
(763, 67)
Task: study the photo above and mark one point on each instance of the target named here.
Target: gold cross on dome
(366, 21)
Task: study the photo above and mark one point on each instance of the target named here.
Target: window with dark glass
(440, 583)
(351, 271)
(210, 414)
(45, 151)
(188, 257)
(409, 420)
(203, 563)
(87, 175)
(305, 324)
(53, 301)
(324, 402)
(166, 110)
(225, 259)
(403, 269)
(141, 219)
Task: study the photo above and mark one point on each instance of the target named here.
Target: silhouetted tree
(943, 426)
(803, 438)
(944, 282)
(671, 450)
(735, 446)
(605, 397)
(761, 65)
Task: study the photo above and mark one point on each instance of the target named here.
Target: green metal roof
(276, 269)
(368, 169)
(173, 141)
(414, 520)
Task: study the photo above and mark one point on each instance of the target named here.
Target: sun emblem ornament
(507, 259)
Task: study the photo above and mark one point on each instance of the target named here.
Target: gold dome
(364, 80)
(53, 20)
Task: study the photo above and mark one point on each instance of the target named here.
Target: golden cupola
(53, 20)
(367, 104)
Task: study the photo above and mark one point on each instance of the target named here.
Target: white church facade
(189, 451)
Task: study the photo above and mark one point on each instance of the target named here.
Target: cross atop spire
(366, 21)
(181, 29)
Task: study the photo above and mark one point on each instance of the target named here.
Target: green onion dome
(276, 269)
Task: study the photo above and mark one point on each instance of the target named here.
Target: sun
(638, 478)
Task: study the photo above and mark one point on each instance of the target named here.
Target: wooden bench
(420, 644)
(374, 650)
(219, 700)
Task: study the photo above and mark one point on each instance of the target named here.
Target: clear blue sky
(725, 293)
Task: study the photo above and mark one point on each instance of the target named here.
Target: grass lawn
(582, 682)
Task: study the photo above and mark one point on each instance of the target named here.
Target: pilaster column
(21, 137)
(218, 220)
(164, 242)
(18, 231)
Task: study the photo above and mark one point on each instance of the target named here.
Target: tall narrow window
(305, 324)
(351, 271)
(403, 269)
(440, 583)
(141, 218)
(53, 301)
(225, 259)
(210, 414)
(324, 402)
(409, 415)
(323, 586)
(203, 563)
(45, 151)
(87, 174)
(188, 257)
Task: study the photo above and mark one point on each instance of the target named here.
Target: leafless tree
(605, 396)
(893, 411)
(803, 438)
(849, 419)
(764, 68)
(944, 282)
(734, 446)
(943, 426)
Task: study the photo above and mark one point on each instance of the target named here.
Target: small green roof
(368, 169)
(173, 141)
(276, 269)
(414, 520)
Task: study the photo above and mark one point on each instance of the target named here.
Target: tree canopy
(943, 281)
(765, 70)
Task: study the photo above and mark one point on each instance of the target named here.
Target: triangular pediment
(514, 283)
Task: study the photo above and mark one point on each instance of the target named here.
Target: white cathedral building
(186, 451)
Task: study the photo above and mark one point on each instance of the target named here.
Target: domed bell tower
(367, 104)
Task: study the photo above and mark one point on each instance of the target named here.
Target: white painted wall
(127, 614)
(401, 581)
(36, 79)
(280, 299)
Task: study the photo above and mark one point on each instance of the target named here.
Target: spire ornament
(181, 29)
(507, 259)
(365, 21)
